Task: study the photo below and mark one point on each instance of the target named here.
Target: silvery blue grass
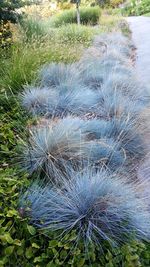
(70, 142)
(115, 42)
(103, 68)
(129, 87)
(56, 74)
(107, 101)
(61, 100)
(125, 132)
(116, 38)
(53, 149)
(39, 101)
(98, 205)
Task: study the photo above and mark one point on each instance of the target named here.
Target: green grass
(26, 58)
(32, 28)
(35, 48)
(75, 34)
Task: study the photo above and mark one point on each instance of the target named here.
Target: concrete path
(140, 27)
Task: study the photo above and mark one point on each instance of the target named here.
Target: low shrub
(109, 21)
(65, 5)
(88, 15)
(115, 3)
(143, 7)
(137, 8)
(103, 3)
(109, 3)
(5, 35)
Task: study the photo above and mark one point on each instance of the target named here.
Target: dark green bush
(89, 15)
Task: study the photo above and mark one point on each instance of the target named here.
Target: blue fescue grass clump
(53, 145)
(124, 132)
(128, 87)
(99, 206)
(127, 133)
(115, 105)
(57, 74)
(118, 90)
(105, 152)
(117, 42)
(39, 101)
(95, 72)
(134, 98)
(72, 99)
(60, 100)
(54, 148)
(93, 75)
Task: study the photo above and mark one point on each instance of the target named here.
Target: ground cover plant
(23, 118)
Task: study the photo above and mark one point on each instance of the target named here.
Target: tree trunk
(78, 13)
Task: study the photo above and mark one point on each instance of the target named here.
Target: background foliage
(88, 15)
(8, 13)
(137, 8)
